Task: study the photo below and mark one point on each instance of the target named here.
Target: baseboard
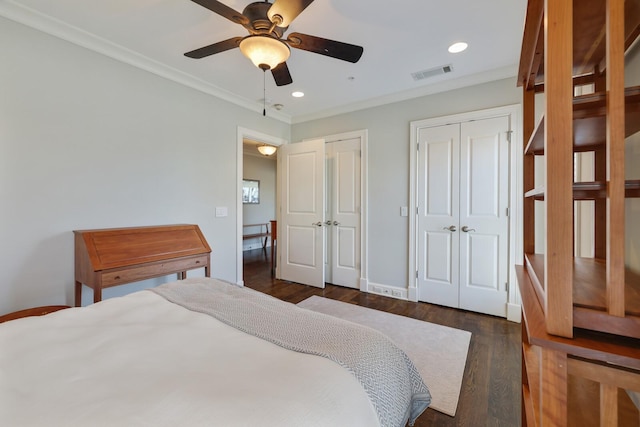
(364, 284)
(387, 291)
(413, 294)
(514, 312)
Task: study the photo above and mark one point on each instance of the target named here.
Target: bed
(202, 351)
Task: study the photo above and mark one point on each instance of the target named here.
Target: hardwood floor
(491, 386)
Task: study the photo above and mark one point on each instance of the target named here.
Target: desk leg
(97, 293)
(207, 271)
(273, 251)
(78, 294)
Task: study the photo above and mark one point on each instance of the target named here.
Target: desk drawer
(157, 269)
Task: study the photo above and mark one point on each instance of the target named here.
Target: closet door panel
(438, 228)
(484, 194)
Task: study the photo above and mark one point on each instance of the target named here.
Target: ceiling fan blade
(223, 10)
(288, 10)
(214, 48)
(281, 75)
(339, 50)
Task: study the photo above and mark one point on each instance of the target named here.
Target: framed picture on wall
(250, 191)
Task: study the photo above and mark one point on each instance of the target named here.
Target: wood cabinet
(112, 257)
(581, 316)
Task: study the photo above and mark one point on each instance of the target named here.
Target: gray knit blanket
(388, 376)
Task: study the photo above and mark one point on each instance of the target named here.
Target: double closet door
(319, 233)
(463, 226)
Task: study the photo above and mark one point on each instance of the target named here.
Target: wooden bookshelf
(581, 316)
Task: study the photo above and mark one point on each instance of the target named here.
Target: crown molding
(54, 27)
(461, 82)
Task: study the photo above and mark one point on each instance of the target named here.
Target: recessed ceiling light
(297, 94)
(458, 47)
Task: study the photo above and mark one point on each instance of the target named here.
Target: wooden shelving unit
(581, 316)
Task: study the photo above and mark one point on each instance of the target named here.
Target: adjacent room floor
(491, 386)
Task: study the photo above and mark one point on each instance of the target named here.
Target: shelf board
(589, 294)
(588, 44)
(611, 349)
(590, 190)
(589, 122)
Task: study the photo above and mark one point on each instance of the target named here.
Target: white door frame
(242, 134)
(364, 185)
(515, 196)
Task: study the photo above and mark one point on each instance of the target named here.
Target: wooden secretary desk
(115, 256)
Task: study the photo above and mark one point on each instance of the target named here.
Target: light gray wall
(90, 142)
(263, 169)
(388, 169)
(632, 171)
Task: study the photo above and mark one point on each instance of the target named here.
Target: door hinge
(417, 275)
(506, 211)
(509, 132)
(506, 286)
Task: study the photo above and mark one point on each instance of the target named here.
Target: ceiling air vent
(432, 72)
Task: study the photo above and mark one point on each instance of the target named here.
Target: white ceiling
(399, 38)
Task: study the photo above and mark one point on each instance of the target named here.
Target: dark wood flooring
(491, 386)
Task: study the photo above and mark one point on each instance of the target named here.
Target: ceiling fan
(265, 45)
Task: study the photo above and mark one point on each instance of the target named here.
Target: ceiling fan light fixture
(266, 150)
(265, 52)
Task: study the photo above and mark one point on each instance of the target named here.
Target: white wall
(388, 170)
(89, 142)
(264, 170)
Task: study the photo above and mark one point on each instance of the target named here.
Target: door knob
(467, 229)
(336, 223)
(450, 228)
(319, 223)
(327, 222)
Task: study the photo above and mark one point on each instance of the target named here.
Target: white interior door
(438, 237)
(301, 226)
(462, 226)
(484, 221)
(343, 213)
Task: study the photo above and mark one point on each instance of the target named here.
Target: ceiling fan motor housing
(259, 22)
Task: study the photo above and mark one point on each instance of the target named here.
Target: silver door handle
(327, 222)
(467, 229)
(450, 228)
(319, 223)
(336, 223)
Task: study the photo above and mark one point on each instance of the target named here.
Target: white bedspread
(140, 360)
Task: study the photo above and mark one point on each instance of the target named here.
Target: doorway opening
(257, 198)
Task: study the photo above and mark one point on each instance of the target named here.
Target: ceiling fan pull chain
(264, 93)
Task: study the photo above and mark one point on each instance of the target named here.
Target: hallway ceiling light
(266, 150)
